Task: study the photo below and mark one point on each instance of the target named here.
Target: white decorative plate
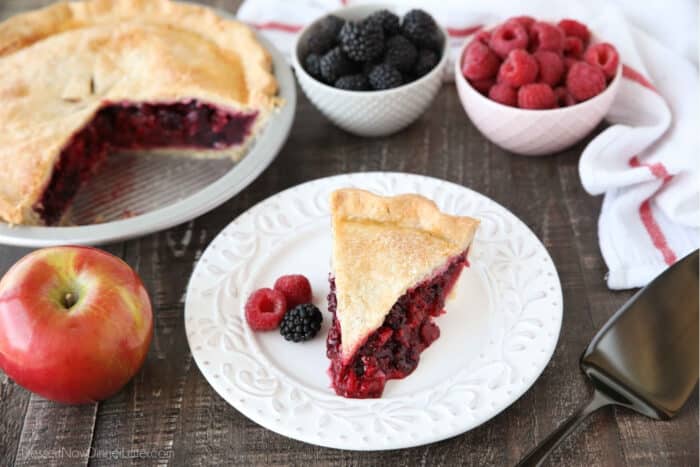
(499, 332)
(136, 195)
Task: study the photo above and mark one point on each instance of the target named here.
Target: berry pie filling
(393, 350)
(129, 126)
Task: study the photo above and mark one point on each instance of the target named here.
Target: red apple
(75, 323)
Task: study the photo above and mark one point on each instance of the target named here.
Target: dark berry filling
(127, 126)
(393, 350)
(78, 160)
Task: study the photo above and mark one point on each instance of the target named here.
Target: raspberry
(429, 331)
(536, 96)
(568, 63)
(482, 36)
(295, 288)
(482, 85)
(573, 47)
(479, 62)
(551, 66)
(525, 21)
(504, 94)
(571, 27)
(545, 36)
(518, 68)
(362, 41)
(385, 76)
(564, 99)
(604, 56)
(585, 81)
(508, 36)
(265, 309)
(401, 53)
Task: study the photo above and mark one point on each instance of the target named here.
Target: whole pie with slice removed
(82, 79)
(395, 260)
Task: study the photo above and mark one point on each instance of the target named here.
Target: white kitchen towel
(646, 162)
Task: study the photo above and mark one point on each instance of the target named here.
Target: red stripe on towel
(647, 216)
(657, 236)
(285, 27)
(657, 169)
(630, 73)
(276, 26)
(463, 32)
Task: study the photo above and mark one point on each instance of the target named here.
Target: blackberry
(385, 76)
(324, 35)
(421, 29)
(396, 317)
(359, 367)
(335, 64)
(367, 66)
(331, 24)
(426, 61)
(388, 20)
(362, 41)
(400, 53)
(352, 83)
(312, 65)
(301, 323)
(319, 43)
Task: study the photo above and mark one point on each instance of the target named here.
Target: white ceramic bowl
(370, 113)
(533, 132)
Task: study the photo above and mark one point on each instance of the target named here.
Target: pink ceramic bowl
(533, 132)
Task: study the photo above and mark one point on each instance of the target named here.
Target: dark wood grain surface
(170, 413)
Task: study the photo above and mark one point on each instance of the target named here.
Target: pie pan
(139, 194)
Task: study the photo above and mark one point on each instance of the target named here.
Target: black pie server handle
(540, 452)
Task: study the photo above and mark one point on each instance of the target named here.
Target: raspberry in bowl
(371, 69)
(536, 87)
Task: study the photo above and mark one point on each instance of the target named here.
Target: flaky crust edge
(25, 29)
(407, 210)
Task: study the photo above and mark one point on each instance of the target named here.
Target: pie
(80, 80)
(395, 260)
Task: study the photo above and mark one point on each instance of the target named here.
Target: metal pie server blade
(645, 357)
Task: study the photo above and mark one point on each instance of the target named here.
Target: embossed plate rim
(514, 262)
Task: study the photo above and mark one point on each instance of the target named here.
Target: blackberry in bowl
(370, 69)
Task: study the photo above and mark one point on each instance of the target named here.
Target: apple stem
(69, 300)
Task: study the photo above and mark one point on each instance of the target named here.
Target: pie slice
(395, 260)
(82, 79)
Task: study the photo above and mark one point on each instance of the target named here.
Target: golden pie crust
(59, 65)
(382, 247)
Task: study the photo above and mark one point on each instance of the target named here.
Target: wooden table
(171, 415)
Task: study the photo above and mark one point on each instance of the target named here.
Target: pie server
(645, 357)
